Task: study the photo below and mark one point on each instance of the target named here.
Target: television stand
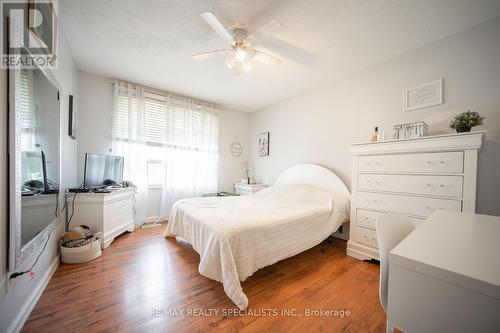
(109, 213)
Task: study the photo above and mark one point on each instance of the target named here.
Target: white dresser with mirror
(412, 177)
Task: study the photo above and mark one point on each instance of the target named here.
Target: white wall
(94, 123)
(94, 118)
(16, 295)
(232, 124)
(319, 126)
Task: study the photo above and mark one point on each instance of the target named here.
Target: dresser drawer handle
(440, 185)
(441, 162)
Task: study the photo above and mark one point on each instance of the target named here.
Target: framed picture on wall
(72, 118)
(424, 95)
(264, 144)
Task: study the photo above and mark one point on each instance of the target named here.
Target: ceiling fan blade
(266, 58)
(212, 21)
(209, 55)
(266, 31)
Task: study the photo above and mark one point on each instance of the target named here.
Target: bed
(236, 236)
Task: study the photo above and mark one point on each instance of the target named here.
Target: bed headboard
(314, 175)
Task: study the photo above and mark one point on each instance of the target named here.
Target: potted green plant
(466, 120)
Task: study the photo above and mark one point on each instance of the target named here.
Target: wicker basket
(78, 255)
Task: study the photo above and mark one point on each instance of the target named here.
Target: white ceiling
(150, 42)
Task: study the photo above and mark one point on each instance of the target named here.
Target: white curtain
(170, 144)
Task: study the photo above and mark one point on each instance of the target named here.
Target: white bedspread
(236, 236)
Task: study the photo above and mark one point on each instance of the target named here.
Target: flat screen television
(34, 172)
(102, 170)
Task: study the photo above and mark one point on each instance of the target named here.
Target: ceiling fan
(240, 51)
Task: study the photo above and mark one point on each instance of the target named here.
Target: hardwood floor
(143, 282)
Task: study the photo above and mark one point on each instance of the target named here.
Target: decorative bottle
(375, 135)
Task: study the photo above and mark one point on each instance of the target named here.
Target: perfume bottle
(381, 136)
(375, 135)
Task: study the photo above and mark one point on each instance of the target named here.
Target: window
(164, 120)
(27, 111)
(167, 140)
(156, 173)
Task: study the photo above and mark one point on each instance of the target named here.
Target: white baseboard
(151, 219)
(30, 303)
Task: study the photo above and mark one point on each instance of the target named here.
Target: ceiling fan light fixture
(240, 54)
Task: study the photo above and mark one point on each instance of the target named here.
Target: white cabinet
(109, 213)
(37, 212)
(412, 177)
(245, 189)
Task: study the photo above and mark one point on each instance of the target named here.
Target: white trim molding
(445, 142)
(30, 303)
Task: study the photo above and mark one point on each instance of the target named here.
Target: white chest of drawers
(412, 177)
(109, 213)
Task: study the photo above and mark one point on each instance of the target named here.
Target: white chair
(391, 230)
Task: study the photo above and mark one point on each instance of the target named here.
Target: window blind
(27, 110)
(163, 119)
(26, 100)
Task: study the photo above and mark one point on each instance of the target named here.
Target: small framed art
(72, 118)
(264, 144)
(424, 95)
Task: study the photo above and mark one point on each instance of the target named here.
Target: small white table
(445, 276)
(244, 189)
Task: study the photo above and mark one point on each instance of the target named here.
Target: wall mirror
(34, 161)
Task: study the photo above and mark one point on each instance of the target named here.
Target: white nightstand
(244, 189)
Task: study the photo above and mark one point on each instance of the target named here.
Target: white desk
(445, 276)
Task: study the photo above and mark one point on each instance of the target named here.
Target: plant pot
(463, 129)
